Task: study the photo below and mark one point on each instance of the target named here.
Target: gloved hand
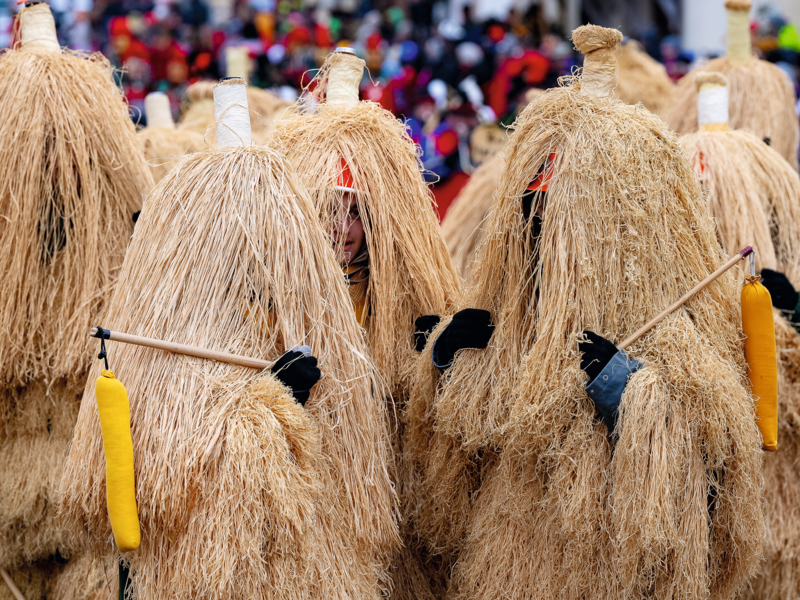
(606, 391)
(470, 328)
(422, 329)
(784, 296)
(298, 372)
(597, 352)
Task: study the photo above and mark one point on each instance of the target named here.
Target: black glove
(597, 352)
(470, 328)
(422, 329)
(784, 296)
(298, 372)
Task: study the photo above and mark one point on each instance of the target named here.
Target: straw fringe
(67, 211)
(85, 578)
(242, 267)
(37, 425)
(643, 79)
(462, 225)
(762, 101)
(163, 147)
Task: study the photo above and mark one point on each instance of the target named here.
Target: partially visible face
(347, 230)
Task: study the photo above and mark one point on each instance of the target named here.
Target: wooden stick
(10, 583)
(686, 297)
(232, 359)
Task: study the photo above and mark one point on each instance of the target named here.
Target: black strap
(103, 334)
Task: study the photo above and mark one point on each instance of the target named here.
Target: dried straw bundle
(675, 509)
(643, 79)
(241, 492)
(762, 98)
(37, 426)
(163, 147)
(410, 271)
(161, 143)
(461, 227)
(66, 212)
(198, 116)
(753, 194)
(85, 578)
(32, 580)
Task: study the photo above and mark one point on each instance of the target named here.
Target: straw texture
(462, 225)
(241, 491)
(37, 426)
(761, 101)
(643, 79)
(66, 212)
(163, 147)
(673, 509)
(74, 177)
(410, 271)
(754, 195)
(198, 115)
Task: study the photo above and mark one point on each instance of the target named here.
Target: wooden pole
(685, 298)
(10, 583)
(232, 359)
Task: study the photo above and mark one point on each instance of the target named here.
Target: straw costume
(75, 176)
(246, 484)
(762, 98)
(755, 195)
(162, 144)
(462, 225)
(643, 79)
(198, 116)
(403, 281)
(543, 477)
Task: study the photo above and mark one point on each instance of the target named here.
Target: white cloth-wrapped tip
(712, 105)
(158, 111)
(232, 114)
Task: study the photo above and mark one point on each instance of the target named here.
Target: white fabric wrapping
(712, 105)
(158, 111)
(232, 115)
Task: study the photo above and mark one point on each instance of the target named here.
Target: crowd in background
(423, 63)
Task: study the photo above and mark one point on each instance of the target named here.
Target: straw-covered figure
(761, 94)
(558, 465)
(754, 195)
(161, 142)
(248, 483)
(642, 78)
(74, 176)
(364, 175)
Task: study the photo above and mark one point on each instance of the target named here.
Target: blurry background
(445, 66)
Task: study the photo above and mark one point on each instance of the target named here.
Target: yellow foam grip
(762, 364)
(115, 424)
